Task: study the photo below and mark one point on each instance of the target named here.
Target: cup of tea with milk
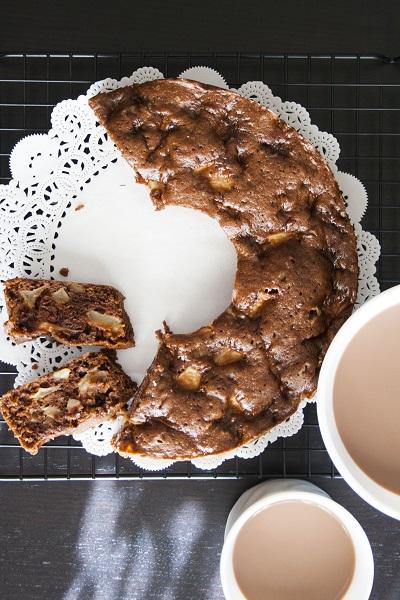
(286, 539)
(358, 401)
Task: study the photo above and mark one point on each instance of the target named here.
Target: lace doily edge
(294, 109)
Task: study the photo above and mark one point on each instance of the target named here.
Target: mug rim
(372, 492)
(361, 584)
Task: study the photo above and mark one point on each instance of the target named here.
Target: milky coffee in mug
(366, 398)
(293, 549)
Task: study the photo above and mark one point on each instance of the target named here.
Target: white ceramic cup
(381, 498)
(269, 492)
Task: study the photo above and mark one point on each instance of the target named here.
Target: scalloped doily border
(48, 174)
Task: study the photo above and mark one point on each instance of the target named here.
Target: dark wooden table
(153, 540)
(145, 540)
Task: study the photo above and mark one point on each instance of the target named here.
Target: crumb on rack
(79, 206)
(64, 271)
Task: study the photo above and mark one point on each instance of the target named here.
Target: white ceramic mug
(270, 492)
(381, 498)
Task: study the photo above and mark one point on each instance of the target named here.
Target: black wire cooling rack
(357, 98)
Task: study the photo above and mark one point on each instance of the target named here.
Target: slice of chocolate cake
(87, 390)
(71, 313)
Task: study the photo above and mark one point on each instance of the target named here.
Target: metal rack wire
(355, 97)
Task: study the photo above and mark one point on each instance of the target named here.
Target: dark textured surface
(142, 541)
(227, 25)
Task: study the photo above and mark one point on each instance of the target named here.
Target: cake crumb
(35, 367)
(79, 206)
(64, 271)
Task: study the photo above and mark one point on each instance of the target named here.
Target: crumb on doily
(35, 367)
(79, 206)
(64, 271)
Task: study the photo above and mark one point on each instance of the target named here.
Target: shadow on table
(114, 540)
(151, 540)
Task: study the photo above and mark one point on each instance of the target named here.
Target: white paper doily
(50, 172)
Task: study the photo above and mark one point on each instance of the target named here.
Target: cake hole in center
(176, 264)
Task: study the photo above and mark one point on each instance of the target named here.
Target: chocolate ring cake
(274, 195)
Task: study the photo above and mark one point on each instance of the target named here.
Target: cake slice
(69, 312)
(87, 390)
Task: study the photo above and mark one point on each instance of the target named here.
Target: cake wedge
(69, 312)
(87, 390)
